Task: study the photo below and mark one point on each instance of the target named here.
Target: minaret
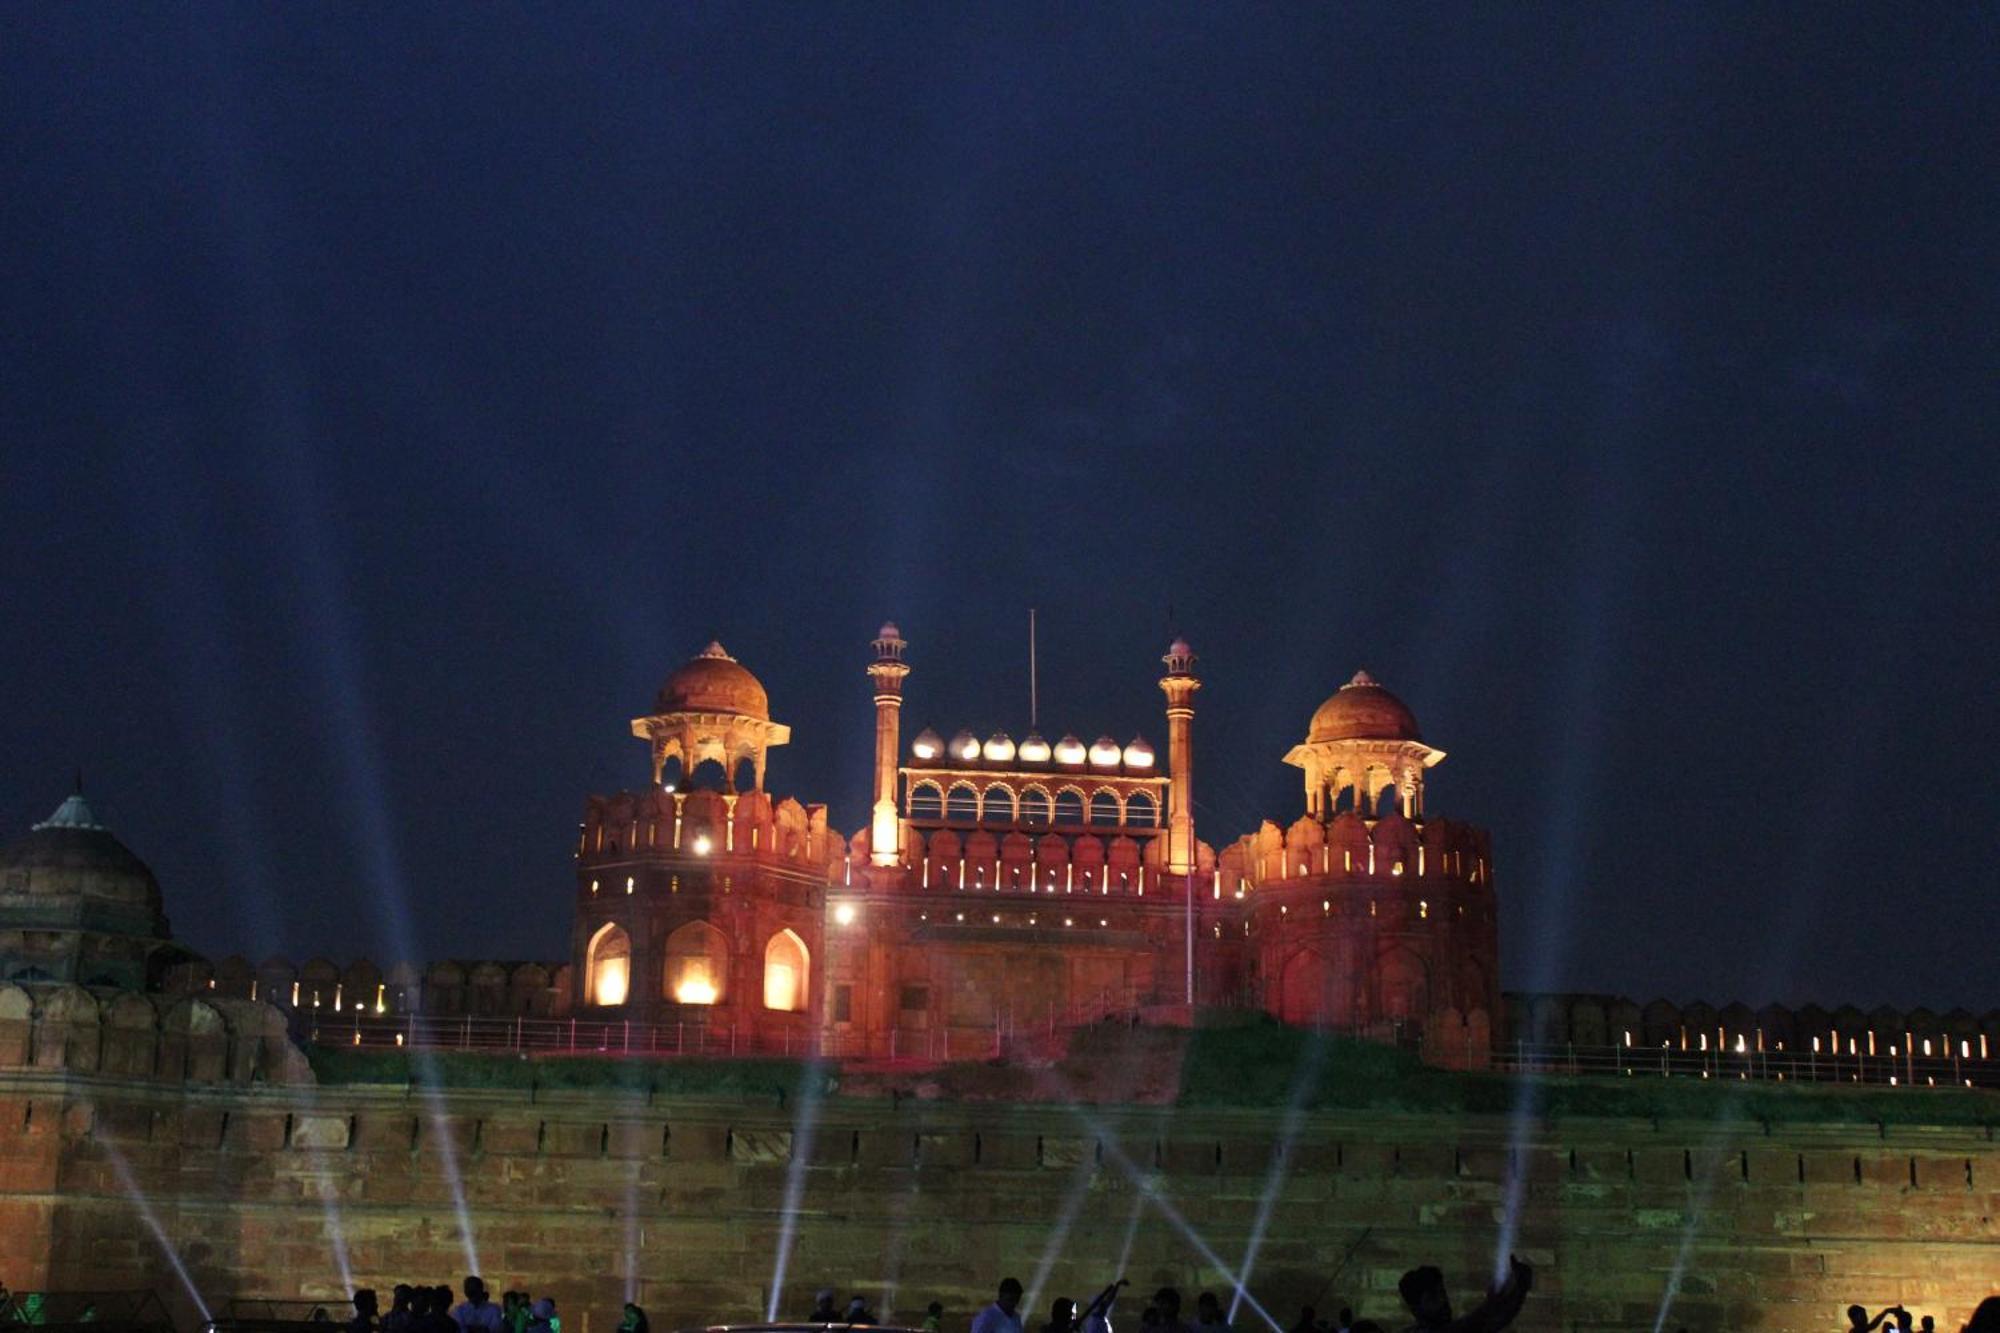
(885, 841)
(1179, 685)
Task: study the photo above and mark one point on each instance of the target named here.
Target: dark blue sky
(391, 397)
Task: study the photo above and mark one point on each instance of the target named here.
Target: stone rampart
(681, 1201)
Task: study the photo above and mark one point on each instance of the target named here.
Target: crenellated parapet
(1105, 862)
(1433, 850)
(1603, 1022)
(58, 1027)
(318, 987)
(660, 825)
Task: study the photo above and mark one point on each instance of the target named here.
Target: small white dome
(1104, 752)
(965, 745)
(1069, 750)
(927, 745)
(999, 747)
(1034, 749)
(1138, 754)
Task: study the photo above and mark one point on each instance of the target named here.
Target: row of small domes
(713, 681)
(1000, 748)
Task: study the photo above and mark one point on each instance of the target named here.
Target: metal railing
(925, 1040)
(929, 1041)
(1903, 1070)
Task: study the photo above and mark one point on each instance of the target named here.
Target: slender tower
(1179, 685)
(887, 671)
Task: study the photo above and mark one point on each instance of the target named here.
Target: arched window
(708, 775)
(1104, 811)
(999, 805)
(1069, 806)
(608, 966)
(1388, 800)
(926, 801)
(1035, 807)
(962, 803)
(1140, 811)
(785, 972)
(697, 964)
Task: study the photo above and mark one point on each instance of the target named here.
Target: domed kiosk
(1361, 710)
(1363, 742)
(76, 905)
(711, 708)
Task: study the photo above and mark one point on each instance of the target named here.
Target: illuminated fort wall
(679, 1201)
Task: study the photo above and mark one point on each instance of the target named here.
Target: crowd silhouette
(1426, 1302)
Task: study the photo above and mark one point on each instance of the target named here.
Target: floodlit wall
(591, 1196)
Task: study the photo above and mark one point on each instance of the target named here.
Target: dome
(1034, 749)
(927, 745)
(965, 747)
(1069, 750)
(999, 747)
(1105, 752)
(71, 856)
(714, 682)
(1362, 710)
(1138, 754)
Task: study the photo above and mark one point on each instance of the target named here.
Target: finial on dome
(889, 631)
(74, 812)
(1361, 678)
(715, 650)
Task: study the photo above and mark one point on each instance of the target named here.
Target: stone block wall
(680, 1202)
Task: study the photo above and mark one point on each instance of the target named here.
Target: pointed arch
(996, 806)
(787, 970)
(607, 967)
(926, 801)
(1106, 811)
(961, 803)
(1140, 811)
(1036, 807)
(697, 964)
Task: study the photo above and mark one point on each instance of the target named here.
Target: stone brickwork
(590, 1196)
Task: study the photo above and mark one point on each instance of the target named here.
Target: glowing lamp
(999, 747)
(928, 744)
(612, 977)
(1069, 750)
(965, 745)
(1138, 754)
(844, 914)
(1034, 749)
(695, 990)
(783, 987)
(702, 844)
(1104, 753)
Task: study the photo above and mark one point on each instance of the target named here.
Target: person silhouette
(1423, 1291)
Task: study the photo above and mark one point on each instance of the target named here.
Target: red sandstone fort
(1003, 891)
(1003, 894)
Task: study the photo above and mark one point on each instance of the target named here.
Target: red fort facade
(1007, 889)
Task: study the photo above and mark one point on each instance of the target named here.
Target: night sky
(391, 396)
